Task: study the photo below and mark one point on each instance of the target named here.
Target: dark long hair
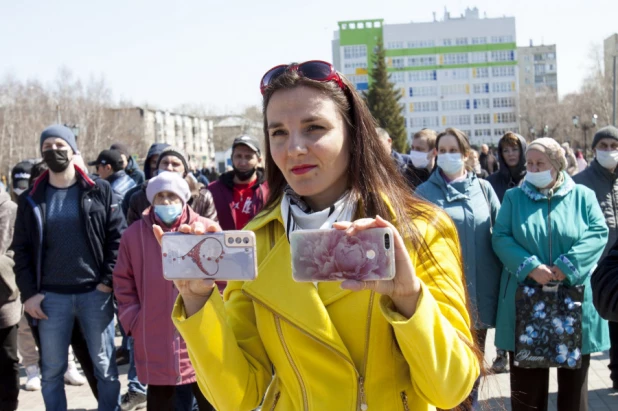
(372, 177)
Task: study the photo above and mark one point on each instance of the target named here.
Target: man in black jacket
(414, 176)
(66, 242)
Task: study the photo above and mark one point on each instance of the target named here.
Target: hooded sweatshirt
(506, 177)
(154, 150)
(134, 172)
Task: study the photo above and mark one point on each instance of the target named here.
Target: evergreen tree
(383, 101)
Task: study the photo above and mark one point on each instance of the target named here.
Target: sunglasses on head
(317, 70)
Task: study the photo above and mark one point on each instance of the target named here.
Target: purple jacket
(145, 301)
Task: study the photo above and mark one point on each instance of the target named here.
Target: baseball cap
(111, 157)
(248, 141)
(20, 174)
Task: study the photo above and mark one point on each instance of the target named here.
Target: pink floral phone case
(330, 255)
(226, 255)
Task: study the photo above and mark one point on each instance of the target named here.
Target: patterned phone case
(330, 255)
(226, 255)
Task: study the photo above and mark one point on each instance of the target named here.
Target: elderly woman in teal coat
(549, 230)
(473, 205)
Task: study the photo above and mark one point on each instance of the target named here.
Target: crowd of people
(79, 247)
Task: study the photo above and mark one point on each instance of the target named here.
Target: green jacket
(566, 229)
(473, 210)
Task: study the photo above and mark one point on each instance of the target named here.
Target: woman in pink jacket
(145, 299)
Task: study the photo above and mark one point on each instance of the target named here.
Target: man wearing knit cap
(66, 240)
(602, 178)
(174, 160)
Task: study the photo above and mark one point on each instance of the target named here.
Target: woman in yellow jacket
(403, 344)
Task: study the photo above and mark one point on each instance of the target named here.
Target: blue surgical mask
(450, 163)
(168, 213)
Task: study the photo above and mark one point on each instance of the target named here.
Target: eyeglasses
(317, 70)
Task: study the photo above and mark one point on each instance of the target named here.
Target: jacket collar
(117, 176)
(43, 180)
(534, 194)
(599, 169)
(451, 191)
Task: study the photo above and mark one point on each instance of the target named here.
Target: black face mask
(57, 160)
(244, 175)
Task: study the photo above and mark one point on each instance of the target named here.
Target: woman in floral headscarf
(549, 230)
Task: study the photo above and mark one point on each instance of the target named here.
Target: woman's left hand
(405, 288)
(558, 274)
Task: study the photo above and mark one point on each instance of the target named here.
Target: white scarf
(297, 215)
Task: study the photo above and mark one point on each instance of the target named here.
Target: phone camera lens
(387, 241)
(230, 240)
(238, 240)
(245, 240)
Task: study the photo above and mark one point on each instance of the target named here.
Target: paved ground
(495, 391)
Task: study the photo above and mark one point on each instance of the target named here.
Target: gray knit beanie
(168, 181)
(605, 132)
(60, 131)
(552, 150)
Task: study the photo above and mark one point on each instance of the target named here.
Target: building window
(503, 55)
(353, 52)
(455, 105)
(503, 71)
(422, 75)
(398, 77)
(482, 72)
(452, 89)
(394, 45)
(456, 120)
(418, 44)
(499, 132)
(480, 88)
(423, 91)
(478, 57)
(480, 103)
(479, 40)
(461, 41)
(460, 74)
(399, 62)
(456, 58)
(447, 42)
(505, 117)
(421, 122)
(421, 61)
(502, 39)
(504, 102)
(502, 87)
(422, 106)
(482, 132)
(482, 118)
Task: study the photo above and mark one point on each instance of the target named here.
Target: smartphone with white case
(224, 255)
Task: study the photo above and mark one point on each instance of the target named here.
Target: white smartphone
(331, 255)
(224, 255)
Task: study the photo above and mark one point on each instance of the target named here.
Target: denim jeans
(134, 384)
(95, 313)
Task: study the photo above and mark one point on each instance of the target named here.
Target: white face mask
(539, 180)
(608, 159)
(477, 168)
(419, 159)
(450, 163)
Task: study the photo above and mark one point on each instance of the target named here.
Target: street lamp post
(545, 130)
(532, 133)
(585, 127)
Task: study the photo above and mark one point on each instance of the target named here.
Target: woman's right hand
(542, 274)
(194, 293)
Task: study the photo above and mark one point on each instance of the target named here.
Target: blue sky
(215, 52)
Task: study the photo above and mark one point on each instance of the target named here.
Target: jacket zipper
(292, 363)
(404, 400)
(360, 402)
(275, 401)
(551, 260)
